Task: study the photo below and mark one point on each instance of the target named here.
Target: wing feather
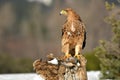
(84, 42)
(84, 34)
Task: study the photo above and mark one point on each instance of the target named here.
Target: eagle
(73, 34)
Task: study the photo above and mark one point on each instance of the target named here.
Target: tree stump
(61, 69)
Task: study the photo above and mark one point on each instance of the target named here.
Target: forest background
(31, 29)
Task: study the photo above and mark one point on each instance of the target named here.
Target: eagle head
(66, 11)
(70, 13)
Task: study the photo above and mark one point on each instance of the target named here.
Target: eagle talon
(77, 56)
(67, 56)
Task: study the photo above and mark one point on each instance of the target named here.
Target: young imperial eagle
(73, 34)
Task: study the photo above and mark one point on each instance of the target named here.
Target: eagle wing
(81, 37)
(84, 41)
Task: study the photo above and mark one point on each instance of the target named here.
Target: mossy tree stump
(61, 69)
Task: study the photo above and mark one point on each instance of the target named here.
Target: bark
(66, 69)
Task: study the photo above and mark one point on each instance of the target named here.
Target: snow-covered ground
(92, 75)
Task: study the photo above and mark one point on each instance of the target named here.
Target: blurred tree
(109, 51)
(8, 64)
(31, 28)
(92, 59)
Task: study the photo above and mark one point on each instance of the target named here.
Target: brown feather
(75, 37)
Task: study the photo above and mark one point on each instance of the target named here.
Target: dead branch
(61, 69)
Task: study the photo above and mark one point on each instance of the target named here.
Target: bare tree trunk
(68, 69)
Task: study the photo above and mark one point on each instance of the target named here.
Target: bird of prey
(73, 34)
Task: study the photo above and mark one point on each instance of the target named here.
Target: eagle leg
(78, 48)
(66, 51)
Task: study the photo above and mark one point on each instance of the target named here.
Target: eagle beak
(63, 12)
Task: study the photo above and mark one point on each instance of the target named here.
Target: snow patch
(37, 77)
(53, 61)
(92, 75)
